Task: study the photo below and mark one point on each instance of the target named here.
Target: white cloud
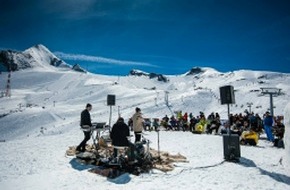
(90, 58)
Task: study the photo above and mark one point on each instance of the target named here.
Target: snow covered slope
(41, 119)
(64, 93)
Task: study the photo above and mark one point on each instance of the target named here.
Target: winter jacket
(185, 117)
(85, 118)
(268, 121)
(137, 122)
(202, 122)
(247, 135)
(179, 115)
(119, 134)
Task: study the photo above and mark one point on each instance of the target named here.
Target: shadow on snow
(122, 179)
(276, 176)
(79, 166)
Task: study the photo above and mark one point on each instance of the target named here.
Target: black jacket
(119, 134)
(85, 118)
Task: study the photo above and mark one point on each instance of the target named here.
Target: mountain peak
(194, 71)
(33, 57)
(40, 47)
(200, 70)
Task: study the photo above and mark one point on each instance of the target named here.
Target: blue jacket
(268, 121)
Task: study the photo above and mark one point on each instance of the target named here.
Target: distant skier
(137, 124)
(86, 125)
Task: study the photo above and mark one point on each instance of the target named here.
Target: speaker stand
(228, 112)
(110, 118)
(231, 158)
(229, 119)
(158, 143)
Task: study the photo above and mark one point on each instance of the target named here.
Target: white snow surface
(42, 120)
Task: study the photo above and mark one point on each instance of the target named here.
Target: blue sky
(164, 36)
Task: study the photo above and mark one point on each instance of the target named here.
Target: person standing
(268, 123)
(137, 124)
(218, 122)
(86, 125)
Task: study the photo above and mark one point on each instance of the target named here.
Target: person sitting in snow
(193, 122)
(249, 137)
(86, 125)
(165, 122)
(173, 123)
(185, 122)
(279, 131)
(156, 124)
(200, 126)
(225, 128)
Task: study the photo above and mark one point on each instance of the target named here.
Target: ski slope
(41, 119)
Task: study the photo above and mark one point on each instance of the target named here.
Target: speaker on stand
(227, 95)
(231, 142)
(111, 101)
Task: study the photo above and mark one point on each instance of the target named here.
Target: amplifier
(232, 150)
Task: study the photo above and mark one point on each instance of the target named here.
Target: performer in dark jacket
(86, 125)
(119, 134)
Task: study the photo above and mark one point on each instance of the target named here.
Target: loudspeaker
(232, 150)
(227, 95)
(111, 100)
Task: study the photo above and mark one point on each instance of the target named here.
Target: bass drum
(139, 150)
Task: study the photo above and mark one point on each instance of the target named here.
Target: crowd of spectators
(247, 125)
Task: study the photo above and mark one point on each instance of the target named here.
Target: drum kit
(100, 133)
(135, 158)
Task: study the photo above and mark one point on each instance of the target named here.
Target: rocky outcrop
(195, 71)
(139, 73)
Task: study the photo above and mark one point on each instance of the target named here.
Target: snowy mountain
(37, 56)
(41, 119)
(139, 73)
(189, 93)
